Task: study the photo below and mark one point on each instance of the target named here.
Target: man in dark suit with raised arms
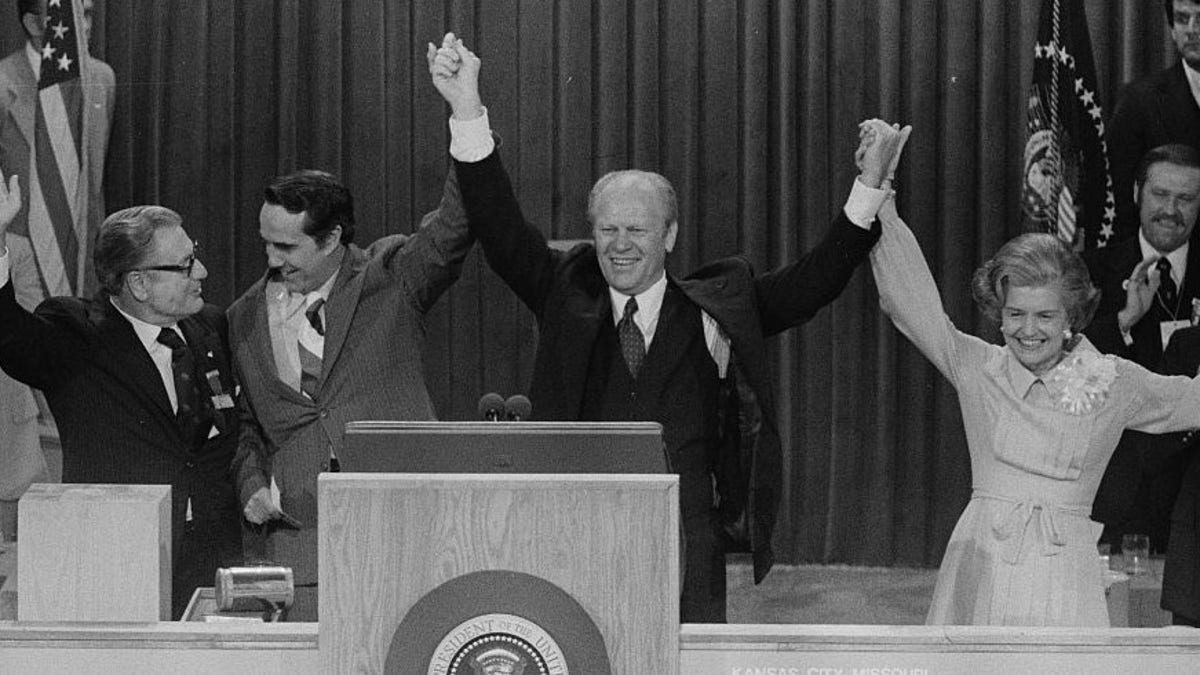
(622, 340)
(139, 379)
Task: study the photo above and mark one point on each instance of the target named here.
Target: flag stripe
(58, 116)
(53, 191)
(58, 184)
(46, 251)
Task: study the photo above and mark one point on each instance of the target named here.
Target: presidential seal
(490, 622)
(497, 644)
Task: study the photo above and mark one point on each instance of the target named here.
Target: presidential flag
(1067, 188)
(58, 189)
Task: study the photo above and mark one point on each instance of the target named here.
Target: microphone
(517, 408)
(491, 407)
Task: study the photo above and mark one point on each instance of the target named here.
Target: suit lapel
(1191, 277)
(341, 307)
(670, 342)
(128, 359)
(582, 317)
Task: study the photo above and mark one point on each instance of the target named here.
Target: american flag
(1067, 187)
(57, 182)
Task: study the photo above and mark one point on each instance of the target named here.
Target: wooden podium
(421, 571)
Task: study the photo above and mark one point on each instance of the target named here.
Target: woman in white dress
(1042, 413)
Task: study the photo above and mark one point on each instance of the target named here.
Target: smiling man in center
(622, 340)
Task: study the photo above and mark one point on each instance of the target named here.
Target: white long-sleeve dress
(1024, 550)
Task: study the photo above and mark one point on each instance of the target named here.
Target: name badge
(1168, 328)
(222, 401)
(214, 382)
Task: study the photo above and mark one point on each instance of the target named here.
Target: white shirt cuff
(4, 266)
(471, 140)
(863, 204)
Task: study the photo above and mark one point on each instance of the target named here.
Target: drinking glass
(1136, 550)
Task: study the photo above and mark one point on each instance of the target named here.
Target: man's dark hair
(1171, 153)
(124, 241)
(1170, 7)
(321, 197)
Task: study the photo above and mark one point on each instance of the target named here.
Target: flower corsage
(1081, 381)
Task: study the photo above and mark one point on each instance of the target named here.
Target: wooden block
(8, 581)
(95, 553)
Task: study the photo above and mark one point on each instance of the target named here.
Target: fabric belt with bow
(1013, 524)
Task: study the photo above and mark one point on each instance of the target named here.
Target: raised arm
(909, 295)
(431, 259)
(33, 349)
(514, 248)
(795, 292)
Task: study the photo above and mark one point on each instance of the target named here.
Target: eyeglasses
(186, 268)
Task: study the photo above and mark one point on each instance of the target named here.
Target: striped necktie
(311, 346)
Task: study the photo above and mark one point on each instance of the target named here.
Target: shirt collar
(1020, 377)
(1193, 78)
(649, 301)
(1178, 257)
(35, 61)
(279, 293)
(322, 291)
(147, 332)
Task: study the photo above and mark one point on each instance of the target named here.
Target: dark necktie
(314, 316)
(1166, 285)
(183, 371)
(633, 343)
(311, 350)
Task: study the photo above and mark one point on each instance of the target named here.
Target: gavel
(270, 589)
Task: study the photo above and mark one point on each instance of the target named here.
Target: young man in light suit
(332, 333)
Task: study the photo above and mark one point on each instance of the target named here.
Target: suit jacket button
(324, 413)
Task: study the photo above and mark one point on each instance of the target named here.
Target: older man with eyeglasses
(139, 379)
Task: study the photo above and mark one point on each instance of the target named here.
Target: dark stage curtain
(749, 107)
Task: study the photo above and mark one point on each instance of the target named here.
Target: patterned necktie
(183, 369)
(633, 343)
(1166, 285)
(311, 345)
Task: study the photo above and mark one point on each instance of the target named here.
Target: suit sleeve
(514, 248)
(252, 461)
(432, 258)
(1104, 331)
(36, 348)
(794, 293)
(1182, 355)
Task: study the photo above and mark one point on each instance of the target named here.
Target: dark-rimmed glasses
(186, 268)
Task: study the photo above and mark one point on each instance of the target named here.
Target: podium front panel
(498, 552)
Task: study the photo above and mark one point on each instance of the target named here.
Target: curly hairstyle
(1031, 260)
